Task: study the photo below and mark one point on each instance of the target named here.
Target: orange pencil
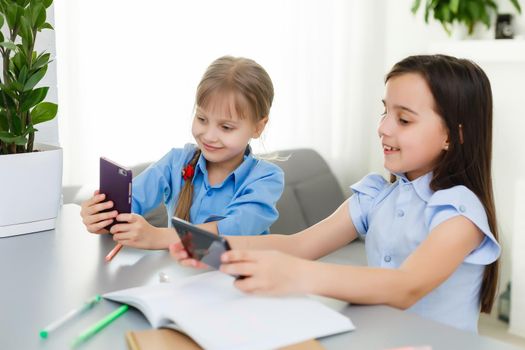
(113, 252)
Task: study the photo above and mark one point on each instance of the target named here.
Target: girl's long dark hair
(463, 98)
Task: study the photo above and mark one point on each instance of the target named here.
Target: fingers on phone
(97, 198)
(100, 227)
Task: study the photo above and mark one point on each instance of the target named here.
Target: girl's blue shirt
(243, 204)
(395, 218)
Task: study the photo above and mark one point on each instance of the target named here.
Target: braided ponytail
(182, 210)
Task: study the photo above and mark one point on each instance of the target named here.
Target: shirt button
(462, 208)
(400, 213)
(387, 258)
(209, 193)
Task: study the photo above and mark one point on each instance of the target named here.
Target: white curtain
(128, 71)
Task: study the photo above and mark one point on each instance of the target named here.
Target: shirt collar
(238, 175)
(421, 185)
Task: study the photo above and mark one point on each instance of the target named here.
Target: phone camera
(122, 172)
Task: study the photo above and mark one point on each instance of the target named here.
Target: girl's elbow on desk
(395, 287)
(408, 291)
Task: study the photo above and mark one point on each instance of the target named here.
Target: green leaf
(43, 112)
(12, 14)
(474, 9)
(16, 126)
(10, 138)
(35, 78)
(25, 31)
(18, 60)
(454, 6)
(32, 98)
(492, 4)
(17, 85)
(485, 18)
(4, 125)
(9, 45)
(46, 26)
(415, 6)
(516, 4)
(47, 3)
(41, 60)
(7, 96)
(22, 76)
(1, 20)
(428, 9)
(38, 15)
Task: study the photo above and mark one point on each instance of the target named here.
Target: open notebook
(210, 310)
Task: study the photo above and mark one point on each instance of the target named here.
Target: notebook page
(218, 316)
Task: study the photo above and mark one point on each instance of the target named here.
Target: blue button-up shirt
(396, 218)
(243, 204)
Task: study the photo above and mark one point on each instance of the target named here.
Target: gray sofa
(312, 193)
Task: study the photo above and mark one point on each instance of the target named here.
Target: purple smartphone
(115, 182)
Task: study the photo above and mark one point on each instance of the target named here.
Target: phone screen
(200, 244)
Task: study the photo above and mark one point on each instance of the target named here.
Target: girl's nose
(210, 134)
(385, 126)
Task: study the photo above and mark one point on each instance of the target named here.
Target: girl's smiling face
(412, 134)
(222, 134)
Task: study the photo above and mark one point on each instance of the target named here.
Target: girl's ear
(259, 127)
(445, 146)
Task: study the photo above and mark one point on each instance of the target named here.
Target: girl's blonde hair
(250, 87)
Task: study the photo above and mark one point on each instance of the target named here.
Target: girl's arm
(312, 243)
(425, 269)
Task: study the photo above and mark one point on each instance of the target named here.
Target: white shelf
(503, 50)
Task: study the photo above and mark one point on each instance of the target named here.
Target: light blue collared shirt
(396, 218)
(243, 204)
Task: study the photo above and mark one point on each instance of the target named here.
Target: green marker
(100, 325)
(44, 333)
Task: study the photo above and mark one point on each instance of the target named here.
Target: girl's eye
(201, 119)
(227, 128)
(403, 121)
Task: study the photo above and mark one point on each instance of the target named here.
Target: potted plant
(463, 12)
(30, 175)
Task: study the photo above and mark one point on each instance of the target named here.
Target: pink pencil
(113, 252)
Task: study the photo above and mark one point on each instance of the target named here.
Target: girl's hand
(92, 217)
(266, 272)
(135, 231)
(180, 254)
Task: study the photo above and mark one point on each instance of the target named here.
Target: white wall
(128, 89)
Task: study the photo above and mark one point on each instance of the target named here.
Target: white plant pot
(30, 189)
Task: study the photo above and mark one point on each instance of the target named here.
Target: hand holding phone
(115, 183)
(201, 245)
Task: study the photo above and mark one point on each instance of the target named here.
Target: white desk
(47, 274)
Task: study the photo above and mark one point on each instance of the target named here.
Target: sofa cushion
(311, 191)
